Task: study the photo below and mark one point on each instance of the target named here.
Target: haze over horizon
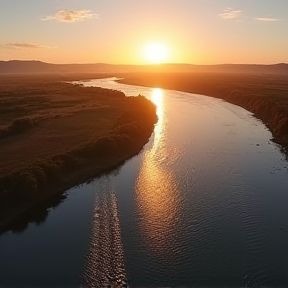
(131, 32)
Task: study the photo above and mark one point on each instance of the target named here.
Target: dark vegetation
(18, 126)
(55, 135)
(264, 95)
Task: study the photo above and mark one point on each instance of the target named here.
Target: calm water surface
(205, 204)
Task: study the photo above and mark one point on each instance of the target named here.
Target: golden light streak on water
(156, 188)
(157, 99)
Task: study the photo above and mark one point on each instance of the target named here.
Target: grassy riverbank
(55, 135)
(264, 95)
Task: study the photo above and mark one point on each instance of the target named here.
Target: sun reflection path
(157, 99)
(157, 194)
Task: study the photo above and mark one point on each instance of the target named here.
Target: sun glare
(156, 52)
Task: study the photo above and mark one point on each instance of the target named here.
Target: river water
(205, 204)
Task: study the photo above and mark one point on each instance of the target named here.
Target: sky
(115, 31)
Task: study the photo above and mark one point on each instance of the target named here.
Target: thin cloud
(71, 16)
(266, 19)
(25, 46)
(230, 13)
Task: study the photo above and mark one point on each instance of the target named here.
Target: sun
(156, 53)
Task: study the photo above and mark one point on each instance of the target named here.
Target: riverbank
(55, 135)
(266, 96)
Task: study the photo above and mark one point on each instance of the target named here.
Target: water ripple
(104, 260)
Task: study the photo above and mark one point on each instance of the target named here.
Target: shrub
(21, 125)
(23, 185)
(40, 177)
(18, 126)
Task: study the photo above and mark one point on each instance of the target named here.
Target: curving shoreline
(29, 186)
(266, 96)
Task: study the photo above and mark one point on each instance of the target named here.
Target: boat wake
(104, 260)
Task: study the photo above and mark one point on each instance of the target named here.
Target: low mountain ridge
(38, 67)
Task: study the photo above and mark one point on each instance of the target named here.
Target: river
(203, 205)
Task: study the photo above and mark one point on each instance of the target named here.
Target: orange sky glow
(116, 32)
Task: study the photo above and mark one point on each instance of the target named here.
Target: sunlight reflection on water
(203, 205)
(156, 189)
(157, 99)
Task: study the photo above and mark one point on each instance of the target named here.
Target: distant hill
(36, 67)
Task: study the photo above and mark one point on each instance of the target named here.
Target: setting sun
(156, 52)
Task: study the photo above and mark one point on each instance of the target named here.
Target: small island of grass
(55, 135)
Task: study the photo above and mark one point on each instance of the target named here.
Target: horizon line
(145, 65)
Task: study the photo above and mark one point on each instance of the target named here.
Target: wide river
(205, 204)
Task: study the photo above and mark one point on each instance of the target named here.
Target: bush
(22, 185)
(18, 126)
(21, 125)
(40, 177)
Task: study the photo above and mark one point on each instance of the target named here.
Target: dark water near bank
(204, 204)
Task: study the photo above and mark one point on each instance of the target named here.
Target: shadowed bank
(63, 136)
